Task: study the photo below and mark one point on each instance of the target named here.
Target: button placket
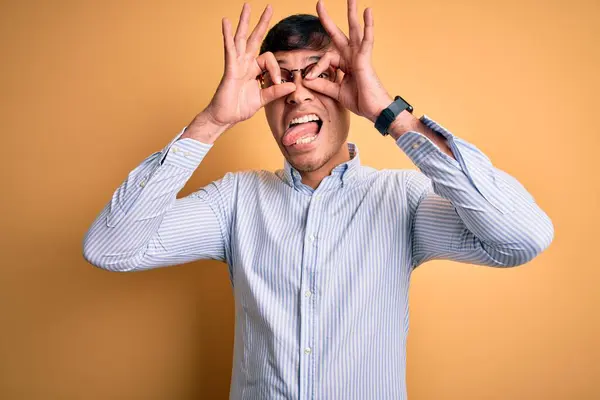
(307, 298)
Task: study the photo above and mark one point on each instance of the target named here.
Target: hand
(239, 95)
(360, 90)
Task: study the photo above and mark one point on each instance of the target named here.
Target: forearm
(405, 122)
(120, 234)
(494, 206)
(204, 129)
(509, 236)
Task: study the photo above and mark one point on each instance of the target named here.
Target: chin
(307, 162)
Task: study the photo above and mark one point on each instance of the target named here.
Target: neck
(314, 178)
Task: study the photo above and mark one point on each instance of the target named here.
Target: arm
(144, 225)
(465, 209)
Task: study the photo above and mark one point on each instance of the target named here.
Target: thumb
(328, 88)
(276, 91)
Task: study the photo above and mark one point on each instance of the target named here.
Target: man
(320, 253)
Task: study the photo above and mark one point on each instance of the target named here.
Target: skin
(357, 90)
(331, 147)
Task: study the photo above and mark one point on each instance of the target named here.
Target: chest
(281, 238)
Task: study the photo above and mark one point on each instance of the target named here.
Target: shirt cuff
(185, 153)
(419, 147)
(425, 154)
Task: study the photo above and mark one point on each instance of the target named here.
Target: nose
(302, 94)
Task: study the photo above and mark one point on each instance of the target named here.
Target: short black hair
(300, 31)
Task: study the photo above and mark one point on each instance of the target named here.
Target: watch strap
(387, 116)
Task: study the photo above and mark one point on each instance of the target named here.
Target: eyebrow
(311, 59)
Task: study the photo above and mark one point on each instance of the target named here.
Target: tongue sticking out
(298, 131)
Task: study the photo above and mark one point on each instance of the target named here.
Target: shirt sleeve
(467, 210)
(145, 226)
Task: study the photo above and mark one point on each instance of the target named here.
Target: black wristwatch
(387, 116)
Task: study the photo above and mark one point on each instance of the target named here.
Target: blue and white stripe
(321, 277)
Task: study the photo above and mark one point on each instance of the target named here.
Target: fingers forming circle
(267, 62)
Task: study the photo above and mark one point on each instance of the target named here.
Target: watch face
(388, 115)
(400, 98)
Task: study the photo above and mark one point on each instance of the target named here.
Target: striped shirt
(321, 277)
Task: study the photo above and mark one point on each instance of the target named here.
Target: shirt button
(308, 293)
(418, 143)
(307, 350)
(143, 183)
(311, 238)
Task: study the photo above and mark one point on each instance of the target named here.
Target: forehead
(298, 57)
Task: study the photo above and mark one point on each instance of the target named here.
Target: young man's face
(331, 131)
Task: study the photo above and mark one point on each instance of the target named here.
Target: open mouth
(303, 130)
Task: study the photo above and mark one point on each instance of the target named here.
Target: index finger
(330, 89)
(329, 59)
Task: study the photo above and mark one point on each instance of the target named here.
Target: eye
(324, 75)
(286, 76)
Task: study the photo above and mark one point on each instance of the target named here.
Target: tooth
(306, 139)
(303, 119)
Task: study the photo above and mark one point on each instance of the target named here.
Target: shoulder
(407, 185)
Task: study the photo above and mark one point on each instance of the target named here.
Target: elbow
(93, 254)
(546, 236)
(532, 243)
(94, 257)
(102, 247)
(538, 240)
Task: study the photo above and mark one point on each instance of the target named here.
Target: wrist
(204, 129)
(404, 122)
(382, 105)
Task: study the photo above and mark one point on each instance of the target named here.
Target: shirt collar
(343, 174)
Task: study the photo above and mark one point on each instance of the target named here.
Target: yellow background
(90, 88)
